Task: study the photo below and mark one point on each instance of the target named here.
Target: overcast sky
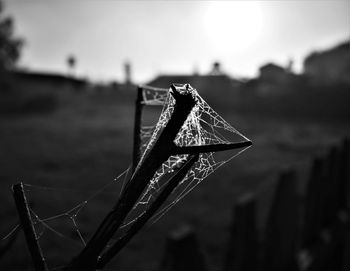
(174, 36)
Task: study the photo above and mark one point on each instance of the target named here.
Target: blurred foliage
(10, 46)
(14, 96)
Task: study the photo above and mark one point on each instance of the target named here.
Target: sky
(174, 37)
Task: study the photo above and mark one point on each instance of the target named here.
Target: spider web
(203, 126)
(67, 230)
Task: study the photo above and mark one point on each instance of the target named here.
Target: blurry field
(87, 142)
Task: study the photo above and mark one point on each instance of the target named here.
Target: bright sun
(234, 24)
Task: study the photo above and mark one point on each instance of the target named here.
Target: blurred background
(278, 71)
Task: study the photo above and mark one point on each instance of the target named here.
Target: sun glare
(234, 24)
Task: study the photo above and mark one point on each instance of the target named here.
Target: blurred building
(330, 66)
(215, 81)
(216, 86)
(203, 83)
(273, 73)
(273, 80)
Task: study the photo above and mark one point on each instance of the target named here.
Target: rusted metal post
(28, 228)
(137, 128)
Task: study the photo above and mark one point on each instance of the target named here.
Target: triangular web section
(203, 126)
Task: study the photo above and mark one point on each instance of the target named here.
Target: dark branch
(137, 128)
(163, 148)
(142, 220)
(160, 152)
(28, 228)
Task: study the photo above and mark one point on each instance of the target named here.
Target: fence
(309, 233)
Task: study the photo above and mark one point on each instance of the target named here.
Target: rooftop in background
(49, 78)
(203, 83)
(329, 66)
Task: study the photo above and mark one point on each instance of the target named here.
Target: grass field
(87, 142)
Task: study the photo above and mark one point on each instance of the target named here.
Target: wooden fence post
(28, 228)
(332, 201)
(282, 226)
(343, 181)
(346, 252)
(182, 252)
(313, 204)
(346, 191)
(346, 170)
(326, 216)
(242, 248)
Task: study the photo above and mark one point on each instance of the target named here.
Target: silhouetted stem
(161, 151)
(142, 220)
(137, 128)
(28, 228)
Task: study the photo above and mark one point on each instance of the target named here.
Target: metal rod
(142, 220)
(28, 228)
(137, 128)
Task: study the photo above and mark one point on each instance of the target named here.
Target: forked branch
(89, 259)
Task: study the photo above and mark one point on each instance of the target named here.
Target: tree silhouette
(10, 46)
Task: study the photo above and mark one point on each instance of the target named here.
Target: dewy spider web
(203, 127)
